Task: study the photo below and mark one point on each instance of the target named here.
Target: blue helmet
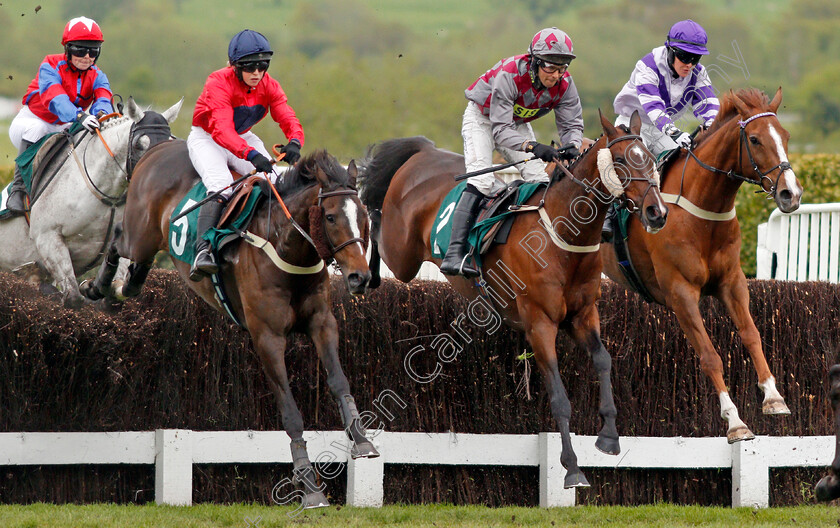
(249, 45)
(688, 36)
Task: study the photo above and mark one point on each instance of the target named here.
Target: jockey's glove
(291, 151)
(88, 121)
(568, 152)
(543, 152)
(261, 163)
(682, 139)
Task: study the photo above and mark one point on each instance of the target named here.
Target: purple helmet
(552, 45)
(688, 36)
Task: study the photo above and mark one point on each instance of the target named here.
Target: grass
(244, 515)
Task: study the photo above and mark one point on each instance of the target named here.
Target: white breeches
(213, 162)
(477, 131)
(30, 127)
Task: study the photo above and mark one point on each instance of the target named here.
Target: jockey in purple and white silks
(502, 103)
(664, 84)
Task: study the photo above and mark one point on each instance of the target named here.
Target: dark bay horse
(828, 488)
(270, 302)
(536, 285)
(698, 252)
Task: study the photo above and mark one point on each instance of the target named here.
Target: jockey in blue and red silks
(664, 84)
(502, 103)
(233, 100)
(68, 87)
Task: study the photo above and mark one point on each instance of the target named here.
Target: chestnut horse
(547, 275)
(698, 253)
(274, 288)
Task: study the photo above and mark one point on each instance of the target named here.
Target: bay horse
(72, 219)
(698, 252)
(828, 488)
(403, 183)
(268, 301)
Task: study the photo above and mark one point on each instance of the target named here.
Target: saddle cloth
(235, 218)
(491, 218)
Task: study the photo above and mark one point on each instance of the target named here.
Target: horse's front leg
(271, 348)
(736, 298)
(323, 330)
(683, 298)
(542, 335)
(586, 331)
(828, 488)
(56, 259)
(100, 287)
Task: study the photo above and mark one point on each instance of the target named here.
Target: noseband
(743, 141)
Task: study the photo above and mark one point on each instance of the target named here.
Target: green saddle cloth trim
(442, 226)
(25, 158)
(182, 232)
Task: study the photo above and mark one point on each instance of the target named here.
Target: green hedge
(816, 174)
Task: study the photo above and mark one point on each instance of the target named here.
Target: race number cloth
(442, 227)
(182, 232)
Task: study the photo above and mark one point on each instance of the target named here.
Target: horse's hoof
(46, 289)
(89, 291)
(363, 450)
(777, 406)
(74, 302)
(608, 445)
(109, 306)
(315, 500)
(828, 488)
(575, 480)
(739, 434)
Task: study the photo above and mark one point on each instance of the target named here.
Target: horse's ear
(133, 111)
(608, 127)
(172, 112)
(777, 100)
(352, 171)
(635, 123)
(740, 105)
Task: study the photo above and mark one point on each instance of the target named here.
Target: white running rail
(800, 246)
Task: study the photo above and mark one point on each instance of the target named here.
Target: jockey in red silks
(502, 103)
(235, 99)
(68, 87)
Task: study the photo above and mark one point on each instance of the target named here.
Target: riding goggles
(251, 67)
(550, 67)
(686, 57)
(81, 51)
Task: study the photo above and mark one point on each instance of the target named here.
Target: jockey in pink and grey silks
(662, 94)
(501, 104)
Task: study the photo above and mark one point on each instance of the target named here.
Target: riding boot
(17, 190)
(455, 260)
(607, 229)
(204, 263)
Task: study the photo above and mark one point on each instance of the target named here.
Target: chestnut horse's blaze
(404, 183)
(698, 252)
(269, 302)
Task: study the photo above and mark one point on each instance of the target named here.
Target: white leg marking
(729, 412)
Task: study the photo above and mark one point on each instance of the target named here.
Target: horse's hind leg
(323, 330)
(736, 298)
(684, 299)
(586, 332)
(542, 335)
(101, 285)
(272, 347)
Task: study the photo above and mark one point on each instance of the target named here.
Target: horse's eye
(754, 140)
(330, 218)
(620, 160)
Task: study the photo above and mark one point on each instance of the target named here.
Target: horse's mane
(114, 121)
(302, 175)
(753, 97)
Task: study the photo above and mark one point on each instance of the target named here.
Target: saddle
(236, 203)
(495, 205)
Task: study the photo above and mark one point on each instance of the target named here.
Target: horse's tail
(381, 163)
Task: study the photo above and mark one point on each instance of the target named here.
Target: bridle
(743, 141)
(332, 248)
(627, 203)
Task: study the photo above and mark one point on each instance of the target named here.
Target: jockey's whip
(490, 169)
